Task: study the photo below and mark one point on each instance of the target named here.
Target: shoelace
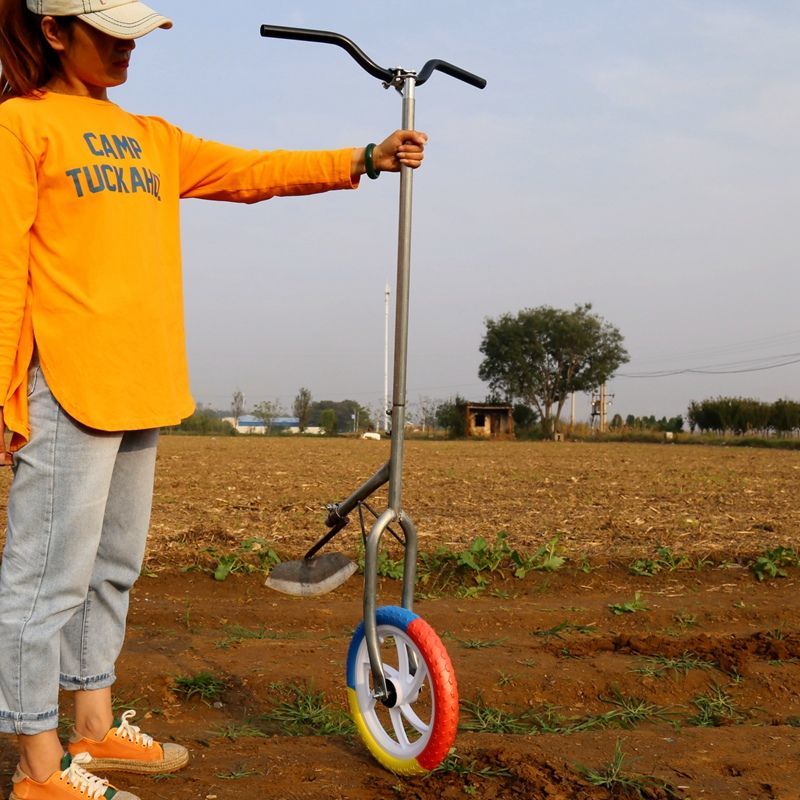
(127, 731)
(82, 779)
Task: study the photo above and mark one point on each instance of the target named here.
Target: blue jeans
(78, 515)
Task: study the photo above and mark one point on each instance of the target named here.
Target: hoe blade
(309, 577)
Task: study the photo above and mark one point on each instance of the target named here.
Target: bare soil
(546, 647)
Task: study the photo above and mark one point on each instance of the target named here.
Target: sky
(641, 157)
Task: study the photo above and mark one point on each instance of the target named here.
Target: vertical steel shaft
(401, 311)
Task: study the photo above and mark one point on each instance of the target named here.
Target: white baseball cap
(123, 19)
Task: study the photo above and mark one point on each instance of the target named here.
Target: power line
(730, 368)
(732, 347)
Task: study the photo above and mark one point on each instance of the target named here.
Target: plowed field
(696, 680)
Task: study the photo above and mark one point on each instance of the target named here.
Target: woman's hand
(401, 148)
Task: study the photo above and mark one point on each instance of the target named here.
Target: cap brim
(129, 21)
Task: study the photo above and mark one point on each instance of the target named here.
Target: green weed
(505, 679)
(437, 571)
(631, 607)
(685, 620)
(454, 764)
(771, 562)
(234, 730)
(626, 784)
(665, 559)
(305, 712)
(547, 558)
(714, 708)
(238, 773)
(480, 644)
(205, 685)
(237, 633)
(627, 712)
(658, 666)
(564, 627)
(252, 555)
(488, 719)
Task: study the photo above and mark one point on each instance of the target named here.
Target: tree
(541, 355)
(205, 421)
(452, 416)
(327, 421)
(349, 414)
(266, 411)
(237, 406)
(427, 410)
(302, 406)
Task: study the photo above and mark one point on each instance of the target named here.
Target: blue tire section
(400, 618)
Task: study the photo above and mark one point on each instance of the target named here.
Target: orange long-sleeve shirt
(90, 264)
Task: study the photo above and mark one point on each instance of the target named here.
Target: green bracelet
(369, 163)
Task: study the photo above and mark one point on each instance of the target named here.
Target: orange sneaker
(74, 782)
(126, 749)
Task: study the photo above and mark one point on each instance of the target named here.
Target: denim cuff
(72, 683)
(28, 724)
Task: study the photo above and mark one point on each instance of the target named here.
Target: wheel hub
(390, 700)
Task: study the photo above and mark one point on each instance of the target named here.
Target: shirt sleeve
(214, 171)
(18, 202)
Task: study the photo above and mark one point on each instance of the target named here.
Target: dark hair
(27, 62)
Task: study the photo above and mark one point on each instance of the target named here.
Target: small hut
(489, 420)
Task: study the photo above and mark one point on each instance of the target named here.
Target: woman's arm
(18, 202)
(214, 171)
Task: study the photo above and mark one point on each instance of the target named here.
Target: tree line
(743, 415)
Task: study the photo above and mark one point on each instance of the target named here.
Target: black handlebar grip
(452, 70)
(328, 37)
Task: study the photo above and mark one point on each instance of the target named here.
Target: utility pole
(603, 408)
(384, 422)
(572, 412)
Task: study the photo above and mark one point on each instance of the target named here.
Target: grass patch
(564, 627)
(658, 666)
(665, 560)
(237, 633)
(237, 730)
(470, 569)
(455, 764)
(621, 783)
(252, 555)
(714, 708)
(205, 685)
(627, 712)
(489, 719)
(304, 711)
(480, 644)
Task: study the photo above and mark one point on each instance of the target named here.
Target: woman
(92, 360)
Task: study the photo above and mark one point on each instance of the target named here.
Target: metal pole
(401, 310)
(384, 423)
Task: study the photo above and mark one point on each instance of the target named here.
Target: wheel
(411, 731)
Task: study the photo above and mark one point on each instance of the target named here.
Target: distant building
(489, 420)
(250, 424)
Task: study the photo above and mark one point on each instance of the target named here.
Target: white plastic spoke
(399, 728)
(402, 656)
(364, 690)
(395, 676)
(419, 678)
(408, 712)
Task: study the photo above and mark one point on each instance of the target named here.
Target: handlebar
(384, 74)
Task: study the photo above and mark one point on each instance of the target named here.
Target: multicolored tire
(415, 735)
